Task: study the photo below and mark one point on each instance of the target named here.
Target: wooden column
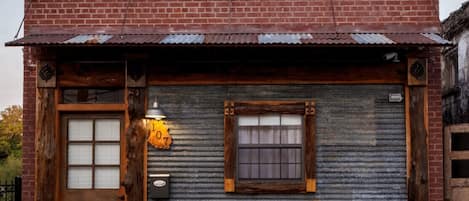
(417, 84)
(229, 152)
(136, 134)
(135, 142)
(46, 136)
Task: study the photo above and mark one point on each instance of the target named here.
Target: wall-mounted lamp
(154, 112)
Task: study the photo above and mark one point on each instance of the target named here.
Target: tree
(11, 130)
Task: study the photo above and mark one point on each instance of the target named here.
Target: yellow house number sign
(159, 135)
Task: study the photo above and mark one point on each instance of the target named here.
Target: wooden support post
(418, 128)
(135, 142)
(418, 179)
(229, 153)
(46, 146)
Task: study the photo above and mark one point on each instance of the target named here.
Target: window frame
(65, 142)
(260, 146)
(232, 109)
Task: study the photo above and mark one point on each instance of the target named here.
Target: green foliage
(9, 168)
(11, 133)
(11, 126)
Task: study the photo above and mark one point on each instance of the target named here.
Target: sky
(11, 58)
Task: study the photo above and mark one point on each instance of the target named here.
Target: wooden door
(91, 157)
(457, 162)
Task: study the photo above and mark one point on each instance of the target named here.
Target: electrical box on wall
(158, 187)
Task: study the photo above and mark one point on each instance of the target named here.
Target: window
(93, 150)
(269, 147)
(460, 159)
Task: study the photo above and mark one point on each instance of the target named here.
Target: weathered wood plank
(418, 179)
(90, 107)
(135, 143)
(270, 187)
(261, 107)
(46, 146)
(89, 75)
(258, 74)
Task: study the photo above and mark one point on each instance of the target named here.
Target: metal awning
(234, 39)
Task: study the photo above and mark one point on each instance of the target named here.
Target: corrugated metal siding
(360, 152)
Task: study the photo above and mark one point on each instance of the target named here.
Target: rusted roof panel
(329, 39)
(40, 40)
(410, 39)
(277, 38)
(231, 38)
(435, 38)
(89, 39)
(294, 39)
(138, 39)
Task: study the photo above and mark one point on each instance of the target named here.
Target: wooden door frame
(448, 156)
(63, 153)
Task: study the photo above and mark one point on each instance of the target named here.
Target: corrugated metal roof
(414, 39)
(231, 39)
(89, 39)
(183, 39)
(371, 38)
(277, 38)
(323, 39)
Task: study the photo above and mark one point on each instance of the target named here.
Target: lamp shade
(155, 112)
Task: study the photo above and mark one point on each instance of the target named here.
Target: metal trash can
(158, 188)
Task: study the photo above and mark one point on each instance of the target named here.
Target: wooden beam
(91, 75)
(135, 142)
(91, 107)
(46, 146)
(198, 74)
(418, 178)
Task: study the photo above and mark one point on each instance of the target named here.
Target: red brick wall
(29, 111)
(91, 16)
(435, 136)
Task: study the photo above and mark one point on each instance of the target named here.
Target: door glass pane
(80, 154)
(107, 177)
(460, 141)
(107, 154)
(80, 129)
(107, 129)
(79, 178)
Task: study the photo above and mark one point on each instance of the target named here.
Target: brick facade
(29, 110)
(151, 16)
(91, 16)
(435, 135)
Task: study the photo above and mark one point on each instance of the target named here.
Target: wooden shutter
(230, 152)
(310, 146)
